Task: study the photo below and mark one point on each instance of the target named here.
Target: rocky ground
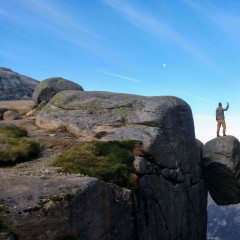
(52, 144)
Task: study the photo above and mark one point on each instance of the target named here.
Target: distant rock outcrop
(171, 198)
(221, 161)
(46, 89)
(14, 86)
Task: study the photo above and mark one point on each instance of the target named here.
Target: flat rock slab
(221, 161)
(65, 208)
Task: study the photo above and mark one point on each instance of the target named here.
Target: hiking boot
(218, 135)
(224, 135)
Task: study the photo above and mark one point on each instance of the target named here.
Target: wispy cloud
(158, 28)
(170, 90)
(120, 76)
(227, 22)
(43, 16)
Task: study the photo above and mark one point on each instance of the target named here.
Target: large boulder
(14, 86)
(46, 89)
(221, 161)
(171, 198)
(65, 208)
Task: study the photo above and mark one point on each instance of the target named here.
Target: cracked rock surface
(221, 160)
(171, 198)
(65, 208)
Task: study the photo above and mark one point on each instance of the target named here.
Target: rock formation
(221, 161)
(65, 208)
(170, 201)
(14, 86)
(46, 89)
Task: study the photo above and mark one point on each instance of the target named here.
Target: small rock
(140, 165)
(11, 115)
(50, 170)
(165, 172)
(173, 173)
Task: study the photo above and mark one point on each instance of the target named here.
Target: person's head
(220, 104)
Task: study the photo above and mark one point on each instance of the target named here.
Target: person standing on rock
(221, 118)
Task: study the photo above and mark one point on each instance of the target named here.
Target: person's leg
(224, 127)
(218, 127)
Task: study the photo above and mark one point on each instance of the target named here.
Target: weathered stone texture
(66, 208)
(46, 89)
(221, 160)
(170, 202)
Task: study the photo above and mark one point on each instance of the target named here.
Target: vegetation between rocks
(108, 161)
(15, 146)
(4, 229)
(3, 208)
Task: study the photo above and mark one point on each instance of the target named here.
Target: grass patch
(108, 161)
(15, 146)
(5, 229)
(3, 208)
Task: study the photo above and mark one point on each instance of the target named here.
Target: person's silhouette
(221, 118)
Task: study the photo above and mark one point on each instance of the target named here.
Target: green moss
(3, 208)
(56, 198)
(42, 202)
(45, 83)
(13, 131)
(108, 161)
(5, 229)
(15, 146)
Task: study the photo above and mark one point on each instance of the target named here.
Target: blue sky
(184, 48)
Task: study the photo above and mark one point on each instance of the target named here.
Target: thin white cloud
(155, 85)
(227, 22)
(196, 97)
(158, 28)
(47, 17)
(120, 76)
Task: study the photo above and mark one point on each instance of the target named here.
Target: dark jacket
(220, 112)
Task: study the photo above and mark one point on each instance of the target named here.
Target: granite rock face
(65, 208)
(46, 89)
(14, 86)
(221, 161)
(171, 198)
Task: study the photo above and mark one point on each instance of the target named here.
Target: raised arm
(225, 109)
